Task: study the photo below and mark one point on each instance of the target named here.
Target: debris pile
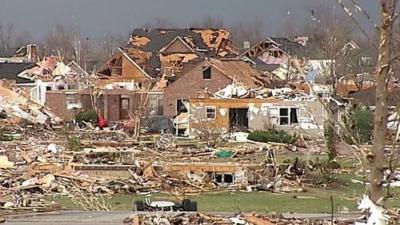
(245, 219)
(15, 109)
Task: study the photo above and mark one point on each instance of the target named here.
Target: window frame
(210, 74)
(71, 98)
(125, 101)
(207, 113)
(289, 108)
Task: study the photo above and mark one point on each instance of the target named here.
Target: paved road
(80, 218)
(116, 217)
(72, 218)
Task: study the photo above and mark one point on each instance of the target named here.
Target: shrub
(360, 122)
(272, 136)
(86, 116)
(74, 143)
(330, 139)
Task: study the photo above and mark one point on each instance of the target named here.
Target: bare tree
(383, 71)
(209, 22)
(106, 46)
(6, 40)
(252, 31)
(159, 22)
(11, 39)
(63, 40)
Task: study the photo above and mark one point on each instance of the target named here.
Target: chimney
(246, 44)
(31, 53)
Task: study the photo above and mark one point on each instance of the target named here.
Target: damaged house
(204, 81)
(25, 54)
(278, 56)
(230, 115)
(154, 54)
(54, 84)
(152, 61)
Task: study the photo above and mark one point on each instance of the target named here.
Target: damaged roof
(240, 71)
(290, 47)
(159, 38)
(208, 41)
(261, 65)
(10, 71)
(168, 51)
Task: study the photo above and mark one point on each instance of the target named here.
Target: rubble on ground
(37, 163)
(239, 219)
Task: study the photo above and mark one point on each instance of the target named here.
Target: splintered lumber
(196, 186)
(256, 221)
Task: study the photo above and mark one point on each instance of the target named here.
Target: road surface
(71, 218)
(117, 217)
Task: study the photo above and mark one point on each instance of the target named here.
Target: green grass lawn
(315, 200)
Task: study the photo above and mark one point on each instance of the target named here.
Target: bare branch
(366, 14)
(350, 14)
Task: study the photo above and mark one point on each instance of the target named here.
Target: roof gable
(177, 46)
(283, 44)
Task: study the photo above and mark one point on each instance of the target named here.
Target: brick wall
(56, 101)
(190, 85)
(113, 107)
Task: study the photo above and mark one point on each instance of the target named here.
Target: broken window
(155, 104)
(288, 116)
(210, 112)
(293, 116)
(124, 102)
(228, 178)
(218, 178)
(224, 178)
(181, 106)
(207, 73)
(238, 119)
(70, 98)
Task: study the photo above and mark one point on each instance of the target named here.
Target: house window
(288, 116)
(207, 73)
(181, 106)
(70, 98)
(283, 116)
(155, 101)
(210, 113)
(224, 178)
(124, 102)
(48, 88)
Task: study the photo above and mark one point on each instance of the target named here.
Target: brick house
(154, 59)
(121, 104)
(64, 103)
(205, 79)
(153, 54)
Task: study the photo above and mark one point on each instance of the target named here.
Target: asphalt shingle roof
(9, 71)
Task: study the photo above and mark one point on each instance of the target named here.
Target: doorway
(238, 119)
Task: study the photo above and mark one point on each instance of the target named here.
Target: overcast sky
(96, 17)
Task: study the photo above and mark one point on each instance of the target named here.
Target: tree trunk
(377, 158)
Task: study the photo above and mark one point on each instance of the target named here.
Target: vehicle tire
(139, 205)
(186, 205)
(193, 206)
